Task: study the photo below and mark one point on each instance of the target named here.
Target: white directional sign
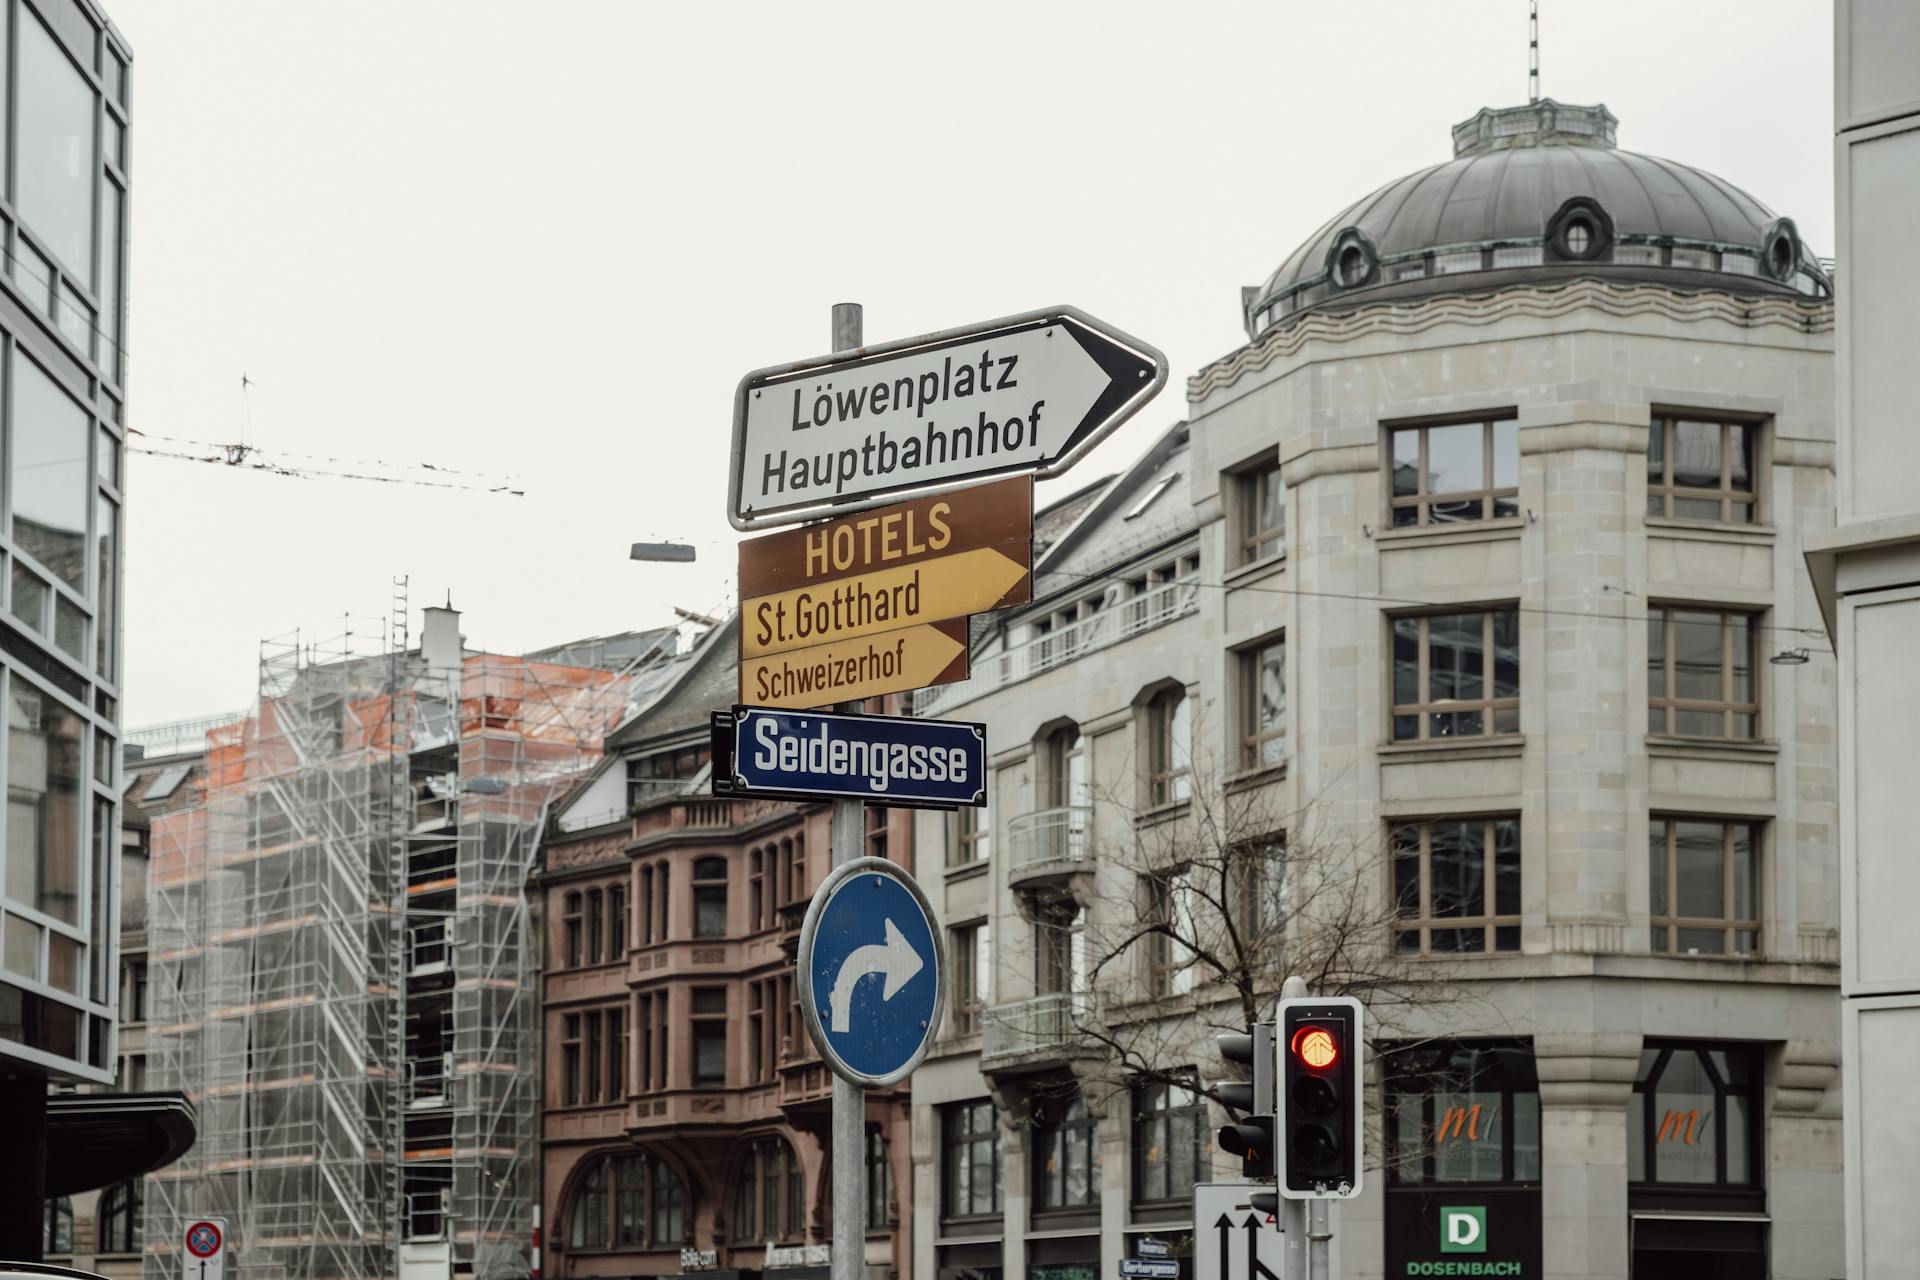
(1030, 393)
(1231, 1239)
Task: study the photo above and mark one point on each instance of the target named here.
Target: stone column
(1014, 1136)
(1805, 1181)
(1115, 1181)
(1586, 1081)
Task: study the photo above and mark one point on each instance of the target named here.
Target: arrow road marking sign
(869, 917)
(894, 960)
(1028, 393)
(1231, 1239)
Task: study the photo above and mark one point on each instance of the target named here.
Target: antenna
(1533, 51)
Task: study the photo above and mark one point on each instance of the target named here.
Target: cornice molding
(1814, 316)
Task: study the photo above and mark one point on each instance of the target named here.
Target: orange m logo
(1457, 1119)
(1672, 1123)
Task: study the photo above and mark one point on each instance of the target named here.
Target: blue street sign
(871, 978)
(891, 760)
(1154, 1269)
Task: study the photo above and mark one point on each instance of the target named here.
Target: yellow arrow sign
(884, 600)
(864, 667)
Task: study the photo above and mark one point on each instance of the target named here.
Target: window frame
(573, 934)
(958, 1142)
(1145, 1120)
(969, 832)
(880, 1215)
(1253, 734)
(1255, 540)
(701, 1027)
(1169, 774)
(768, 1174)
(572, 1064)
(705, 888)
(1663, 431)
(1731, 925)
(1669, 706)
(1489, 495)
(1426, 707)
(118, 1228)
(617, 921)
(1071, 1132)
(1424, 923)
(605, 1181)
(969, 1002)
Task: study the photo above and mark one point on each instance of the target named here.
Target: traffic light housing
(1250, 1138)
(1319, 1043)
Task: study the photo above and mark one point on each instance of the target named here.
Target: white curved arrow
(895, 960)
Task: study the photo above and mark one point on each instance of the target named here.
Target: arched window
(56, 1234)
(119, 1229)
(571, 926)
(756, 892)
(631, 1201)
(596, 926)
(646, 906)
(769, 1196)
(616, 920)
(710, 898)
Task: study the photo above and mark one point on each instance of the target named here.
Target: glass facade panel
(44, 777)
(49, 470)
(53, 180)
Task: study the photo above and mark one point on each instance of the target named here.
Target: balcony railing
(1048, 839)
(1044, 1027)
(1144, 612)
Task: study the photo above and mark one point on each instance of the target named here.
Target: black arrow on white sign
(1028, 393)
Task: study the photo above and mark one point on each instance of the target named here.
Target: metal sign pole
(847, 1251)
(1293, 1213)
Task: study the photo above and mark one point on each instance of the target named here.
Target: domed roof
(1534, 193)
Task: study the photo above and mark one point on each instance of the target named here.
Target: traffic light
(1319, 1103)
(1251, 1138)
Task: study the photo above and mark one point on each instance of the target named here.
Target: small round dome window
(1579, 238)
(1353, 266)
(1780, 256)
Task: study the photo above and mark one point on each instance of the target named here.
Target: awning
(98, 1139)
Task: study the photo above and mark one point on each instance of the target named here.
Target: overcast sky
(547, 239)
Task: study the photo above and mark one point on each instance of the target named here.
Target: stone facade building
(1464, 614)
(685, 1114)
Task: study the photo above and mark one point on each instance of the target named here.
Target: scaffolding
(341, 975)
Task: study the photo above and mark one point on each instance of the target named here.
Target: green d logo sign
(1463, 1229)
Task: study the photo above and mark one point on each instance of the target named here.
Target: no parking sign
(205, 1254)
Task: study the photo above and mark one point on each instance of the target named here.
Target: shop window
(969, 1161)
(1702, 470)
(1461, 1112)
(1695, 1116)
(634, 1201)
(1066, 1158)
(56, 1227)
(1170, 1141)
(1456, 675)
(119, 1228)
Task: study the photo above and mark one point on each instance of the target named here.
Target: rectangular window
(52, 478)
(1262, 499)
(570, 1060)
(617, 916)
(1263, 704)
(1066, 1161)
(970, 1161)
(45, 759)
(1695, 1115)
(54, 160)
(571, 931)
(616, 1054)
(596, 925)
(709, 1037)
(1169, 1141)
(1456, 886)
(879, 1183)
(1456, 675)
(1453, 473)
(133, 1000)
(969, 836)
(1461, 1112)
(1260, 880)
(1702, 470)
(595, 1055)
(1700, 673)
(876, 831)
(972, 958)
(1704, 886)
(1169, 749)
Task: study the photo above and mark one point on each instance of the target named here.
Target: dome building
(1458, 649)
(1549, 422)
